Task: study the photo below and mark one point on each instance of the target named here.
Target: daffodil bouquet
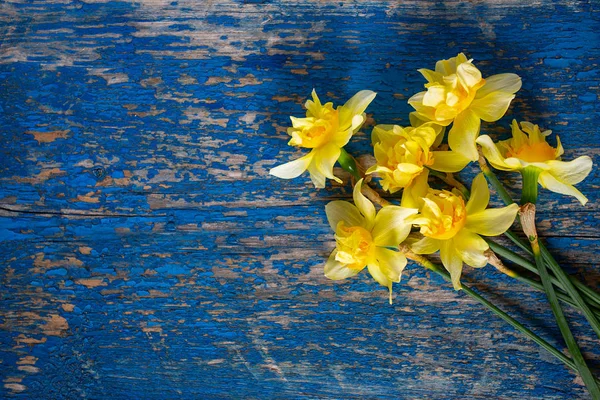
(375, 234)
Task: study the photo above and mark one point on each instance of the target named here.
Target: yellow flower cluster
(325, 130)
(364, 238)
(403, 154)
(528, 148)
(456, 96)
(453, 228)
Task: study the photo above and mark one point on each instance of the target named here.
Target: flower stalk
(349, 164)
(527, 214)
(424, 262)
(449, 178)
(529, 193)
(529, 266)
(570, 285)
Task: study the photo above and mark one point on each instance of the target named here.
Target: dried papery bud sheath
(527, 214)
(374, 196)
(495, 261)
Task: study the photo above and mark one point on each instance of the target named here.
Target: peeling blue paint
(182, 270)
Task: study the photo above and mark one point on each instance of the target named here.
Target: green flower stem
(529, 194)
(589, 295)
(568, 286)
(493, 179)
(514, 323)
(528, 223)
(517, 259)
(348, 163)
(518, 241)
(568, 283)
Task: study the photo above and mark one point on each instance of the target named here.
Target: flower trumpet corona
(402, 155)
(528, 149)
(364, 238)
(457, 93)
(325, 130)
(454, 228)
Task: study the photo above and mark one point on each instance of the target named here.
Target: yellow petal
(413, 194)
(509, 83)
(448, 161)
(409, 168)
(341, 138)
(535, 135)
(391, 263)
(431, 76)
(468, 74)
(559, 148)
(335, 270)
(470, 248)
(571, 172)
(343, 211)
(551, 183)
(426, 246)
(519, 138)
(355, 106)
(378, 275)
(378, 168)
(493, 221)
(292, 169)
(493, 106)
(313, 107)
(492, 154)
(423, 112)
(480, 195)
(322, 164)
(301, 122)
(434, 96)
(465, 130)
(390, 227)
(383, 133)
(432, 208)
(357, 121)
(448, 67)
(452, 262)
(364, 205)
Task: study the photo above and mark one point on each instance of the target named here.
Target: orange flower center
(536, 152)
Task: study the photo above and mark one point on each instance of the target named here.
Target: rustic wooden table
(146, 253)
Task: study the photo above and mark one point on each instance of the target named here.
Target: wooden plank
(147, 253)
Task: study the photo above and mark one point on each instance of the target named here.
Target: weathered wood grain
(146, 253)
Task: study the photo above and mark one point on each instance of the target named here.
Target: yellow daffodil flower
(454, 228)
(403, 154)
(364, 237)
(325, 130)
(529, 148)
(456, 93)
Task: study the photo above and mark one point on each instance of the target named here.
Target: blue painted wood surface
(146, 253)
